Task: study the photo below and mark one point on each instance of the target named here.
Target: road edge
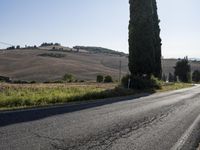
(117, 99)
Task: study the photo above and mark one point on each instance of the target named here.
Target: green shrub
(155, 82)
(99, 78)
(108, 79)
(145, 83)
(68, 78)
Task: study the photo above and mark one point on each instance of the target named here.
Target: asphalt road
(163, 121)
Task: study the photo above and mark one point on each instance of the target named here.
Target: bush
(142, 83)
(68, 78)
(99, 78)
(155, 82)
(108, 79)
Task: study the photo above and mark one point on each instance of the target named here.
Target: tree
(144, 39)
(196, 76)
(18, 47)
(99, 78)
(11, 48)
(183, 70)
(157, 42)
(46, 44)
(108, 79)
(57, 44)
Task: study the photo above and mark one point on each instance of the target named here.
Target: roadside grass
(174, 86)
(15, 96)
(32, 95)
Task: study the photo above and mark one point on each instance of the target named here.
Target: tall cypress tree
(144, 50)
(158, 54)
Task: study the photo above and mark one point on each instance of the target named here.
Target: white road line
(179, 145)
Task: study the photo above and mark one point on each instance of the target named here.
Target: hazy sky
(97, 23)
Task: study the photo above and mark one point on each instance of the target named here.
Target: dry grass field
(29, 65)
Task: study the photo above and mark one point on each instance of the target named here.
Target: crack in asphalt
(54, 145)
(106, 139)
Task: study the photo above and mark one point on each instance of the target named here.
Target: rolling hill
(45, 64)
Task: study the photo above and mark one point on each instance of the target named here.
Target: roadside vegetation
(106, 79)
(30, 95)
(173, 86)
(15, 96)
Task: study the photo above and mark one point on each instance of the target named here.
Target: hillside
(44, 64)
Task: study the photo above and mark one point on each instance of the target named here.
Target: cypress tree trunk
(144, 47)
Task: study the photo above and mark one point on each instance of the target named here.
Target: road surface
(163, 121)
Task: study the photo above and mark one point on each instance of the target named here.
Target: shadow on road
(8, 118)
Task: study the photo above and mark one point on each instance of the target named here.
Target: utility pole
(120, 70)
